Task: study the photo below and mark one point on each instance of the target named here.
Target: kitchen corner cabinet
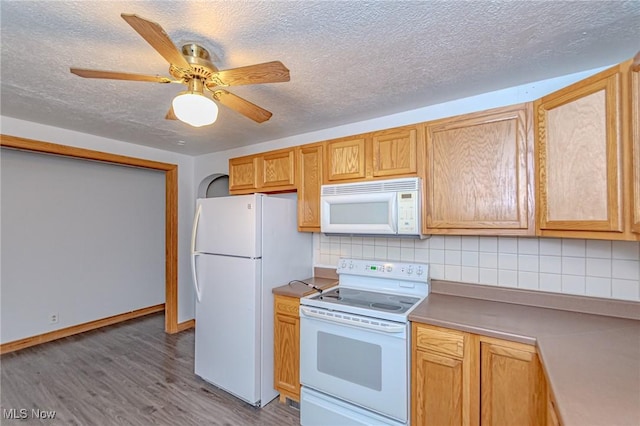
(579, 156)
(287, 347)
(272, 171)
(479, 173)
(634, 110)
(512, 384)
(309, 182)
(553, 419)
(461, 378)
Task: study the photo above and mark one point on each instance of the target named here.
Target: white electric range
(354, 344)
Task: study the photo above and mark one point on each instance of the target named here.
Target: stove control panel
(381, 269)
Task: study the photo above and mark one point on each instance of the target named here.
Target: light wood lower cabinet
(460, 378)
(512, 385)
(287, 347)
(553, 419)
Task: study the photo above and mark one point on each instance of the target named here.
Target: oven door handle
(348, 320)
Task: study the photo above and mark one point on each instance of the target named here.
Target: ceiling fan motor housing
(199, 59)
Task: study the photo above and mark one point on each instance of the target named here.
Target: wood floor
(127, 374)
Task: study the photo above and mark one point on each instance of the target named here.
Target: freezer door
(229, 226)
(228, 325)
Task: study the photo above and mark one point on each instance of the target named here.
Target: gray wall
(80, 239)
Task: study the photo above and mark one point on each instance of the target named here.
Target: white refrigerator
(242, 247)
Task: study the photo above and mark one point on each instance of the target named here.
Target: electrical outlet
(53, 318)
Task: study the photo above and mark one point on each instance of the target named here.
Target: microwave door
(360, 214)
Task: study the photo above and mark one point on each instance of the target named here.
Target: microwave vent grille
(393, 185)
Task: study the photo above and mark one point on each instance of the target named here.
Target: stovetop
(376, 289)
(383, 302)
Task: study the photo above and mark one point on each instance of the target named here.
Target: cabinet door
(309, 184)
(243, 174)
(286, 347)
(635, 143)
(345, 159)
(278, 170)
(287, 356)
(436, 390)
(479, 173)
(512, 386)
(578, 131)
(395, 152)
(552, 414)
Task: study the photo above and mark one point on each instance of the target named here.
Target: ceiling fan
(193, 68)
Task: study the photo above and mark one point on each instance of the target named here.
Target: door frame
(171, 207)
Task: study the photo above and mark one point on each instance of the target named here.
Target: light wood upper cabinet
(345, 159)
(309, 183)
(278, 169)
(395, 152)
(479, 173)
(579, 159)
(243, 174)
(287, 347)
(513, 388)
(272, 171)
(635, 144)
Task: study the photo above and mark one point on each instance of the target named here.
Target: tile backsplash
(609, 269)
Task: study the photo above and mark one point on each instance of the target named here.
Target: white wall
(81, 240)
(186, 186)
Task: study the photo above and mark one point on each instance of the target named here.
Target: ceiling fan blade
(115, 75)
(269, 72)
(170, 114)
(242, 106)
(158, 39)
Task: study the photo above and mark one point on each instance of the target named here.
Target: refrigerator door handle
(194, 253)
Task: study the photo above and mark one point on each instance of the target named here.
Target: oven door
(356, 359)
(359, 213)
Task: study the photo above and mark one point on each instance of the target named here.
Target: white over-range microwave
(383, 207)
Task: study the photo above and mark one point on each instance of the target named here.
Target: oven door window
(352, 360)
(364, 367)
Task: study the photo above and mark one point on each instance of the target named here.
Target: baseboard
(77, 329)
(186, 325)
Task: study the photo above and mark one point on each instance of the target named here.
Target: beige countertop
(298, 289)
(592, 361)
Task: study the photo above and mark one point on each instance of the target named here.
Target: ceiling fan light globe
(195, 109)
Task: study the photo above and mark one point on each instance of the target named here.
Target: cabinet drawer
(287, 305)
(440, 341)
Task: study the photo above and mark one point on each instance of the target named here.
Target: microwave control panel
(408, 213)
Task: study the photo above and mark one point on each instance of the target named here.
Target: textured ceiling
(349, 60)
